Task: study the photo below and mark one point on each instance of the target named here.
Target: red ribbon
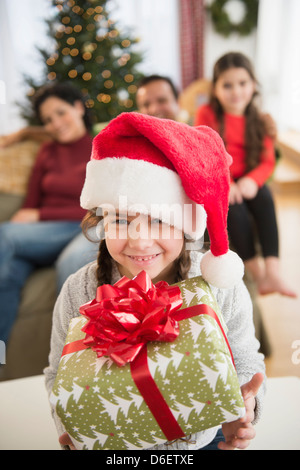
(129, 314)
(123, 319)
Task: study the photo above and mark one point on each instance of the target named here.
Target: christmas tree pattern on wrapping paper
(101, 407)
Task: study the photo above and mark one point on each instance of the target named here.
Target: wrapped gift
(144, 365)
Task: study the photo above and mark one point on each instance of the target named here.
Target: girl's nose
(139, 233)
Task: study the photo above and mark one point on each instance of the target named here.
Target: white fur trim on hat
(223, 271)
(138, 186)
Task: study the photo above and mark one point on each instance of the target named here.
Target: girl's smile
(142, 248)
(144, 260)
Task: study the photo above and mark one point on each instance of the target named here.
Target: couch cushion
(16, 162)
(9, 204)
(39, 293)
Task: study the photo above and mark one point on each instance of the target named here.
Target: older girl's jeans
(24, 247)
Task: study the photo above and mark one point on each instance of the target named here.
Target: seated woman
(51, 214)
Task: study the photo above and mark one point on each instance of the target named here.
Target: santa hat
(169, 170)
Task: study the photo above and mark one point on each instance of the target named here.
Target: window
(278, 60)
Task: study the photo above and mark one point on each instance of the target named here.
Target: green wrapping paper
(101, 407)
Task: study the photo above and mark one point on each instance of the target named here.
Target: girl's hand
(65, 440)
(239, 434)
(26, 216)
(235, 195)
(248, 187)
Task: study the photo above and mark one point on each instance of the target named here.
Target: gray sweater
(235, 305)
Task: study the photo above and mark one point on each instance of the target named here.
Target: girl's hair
(105, 262)
(65, 92)
(254, 129)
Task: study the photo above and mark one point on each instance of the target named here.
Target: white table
(279, 428)
(25, 418)
(26, 423)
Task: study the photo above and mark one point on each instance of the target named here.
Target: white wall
(217, 45)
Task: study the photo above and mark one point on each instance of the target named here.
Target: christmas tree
(90, 52)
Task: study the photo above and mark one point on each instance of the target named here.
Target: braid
(182, 265)
(104, 265)
(104, 260)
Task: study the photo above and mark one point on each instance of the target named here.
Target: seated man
(157, 96)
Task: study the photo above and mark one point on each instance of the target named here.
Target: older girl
(233, 113)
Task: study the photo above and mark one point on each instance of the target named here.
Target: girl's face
(139, 243)
(234, 89)
(63, 121)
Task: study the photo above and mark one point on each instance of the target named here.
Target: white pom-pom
(223, 271)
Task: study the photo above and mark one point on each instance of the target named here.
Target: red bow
(129, 314)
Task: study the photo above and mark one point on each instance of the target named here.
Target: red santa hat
(168, 170)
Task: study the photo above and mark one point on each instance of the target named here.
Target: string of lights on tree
(90, 51)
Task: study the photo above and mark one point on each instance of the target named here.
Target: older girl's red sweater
(57, 179)
(234, 137)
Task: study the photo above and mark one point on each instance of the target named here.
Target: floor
(281, 315)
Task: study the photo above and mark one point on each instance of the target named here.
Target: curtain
(278, 60)
(192, 15)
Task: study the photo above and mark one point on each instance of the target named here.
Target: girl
(233, 113)
(157, 202)
(51, 215)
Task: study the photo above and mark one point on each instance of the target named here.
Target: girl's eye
(156, 221)
(121, 221)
